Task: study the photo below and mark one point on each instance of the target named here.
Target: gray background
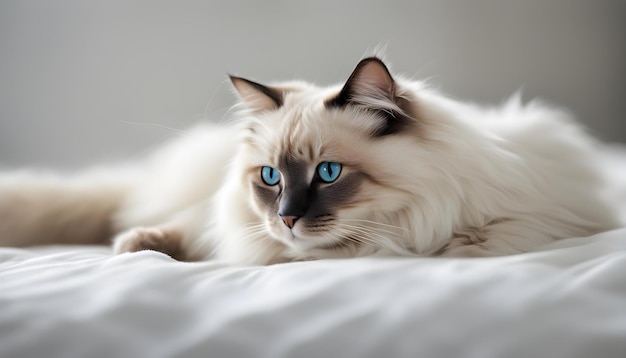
(90, 81)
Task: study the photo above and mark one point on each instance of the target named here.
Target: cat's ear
(257, 96)
(371, 86)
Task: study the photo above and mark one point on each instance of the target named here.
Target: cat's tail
(44, 209)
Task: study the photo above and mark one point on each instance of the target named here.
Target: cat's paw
(468, 251)
(137, 239)
(148, 238)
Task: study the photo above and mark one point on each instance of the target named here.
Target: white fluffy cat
(380, 165)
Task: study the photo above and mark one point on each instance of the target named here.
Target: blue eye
(329, 171)
(270, 176)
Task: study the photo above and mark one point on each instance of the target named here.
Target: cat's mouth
(317, 235)
(306, 242)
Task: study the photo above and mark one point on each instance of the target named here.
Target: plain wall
(88, 81)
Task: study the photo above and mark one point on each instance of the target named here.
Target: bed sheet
(568, 300)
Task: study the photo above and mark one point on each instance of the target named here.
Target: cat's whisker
(256, 231)
(360, 240)
(379, 240)
(356, 237)
(352, 239)
(252, 232)
(374, 231)
(341, 232)
(337, 244)
(375, 222)
(384, 229)
(157, 125)
(254, 225)
(371, 234)
(253, 228)
(257, 236)
(210, 101)
(227, 114)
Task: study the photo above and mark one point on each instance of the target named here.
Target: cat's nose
(290, 221)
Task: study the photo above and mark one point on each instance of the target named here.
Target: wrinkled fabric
(568, 300)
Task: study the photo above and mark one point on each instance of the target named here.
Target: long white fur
(510, 178)
(529, 165)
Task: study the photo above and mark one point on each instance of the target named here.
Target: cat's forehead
(305, 129)
(300, 127)
(301, 132)
(304, 98)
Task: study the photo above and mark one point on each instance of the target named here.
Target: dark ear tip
(233, 78)
(240, 80)
(369, 60)
(374, 61)
(372, 58)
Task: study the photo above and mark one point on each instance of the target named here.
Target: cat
(379, 165)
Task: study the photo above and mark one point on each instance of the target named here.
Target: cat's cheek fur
(264, 202)
(265, 197)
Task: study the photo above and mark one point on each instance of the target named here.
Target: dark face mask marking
(313, 203)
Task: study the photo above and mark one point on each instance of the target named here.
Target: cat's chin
(301, 242)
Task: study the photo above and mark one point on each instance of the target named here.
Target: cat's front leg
(165, 240)
(173, 237)
(469, 250)
(497, 237)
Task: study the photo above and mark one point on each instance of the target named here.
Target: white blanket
(567, 301)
